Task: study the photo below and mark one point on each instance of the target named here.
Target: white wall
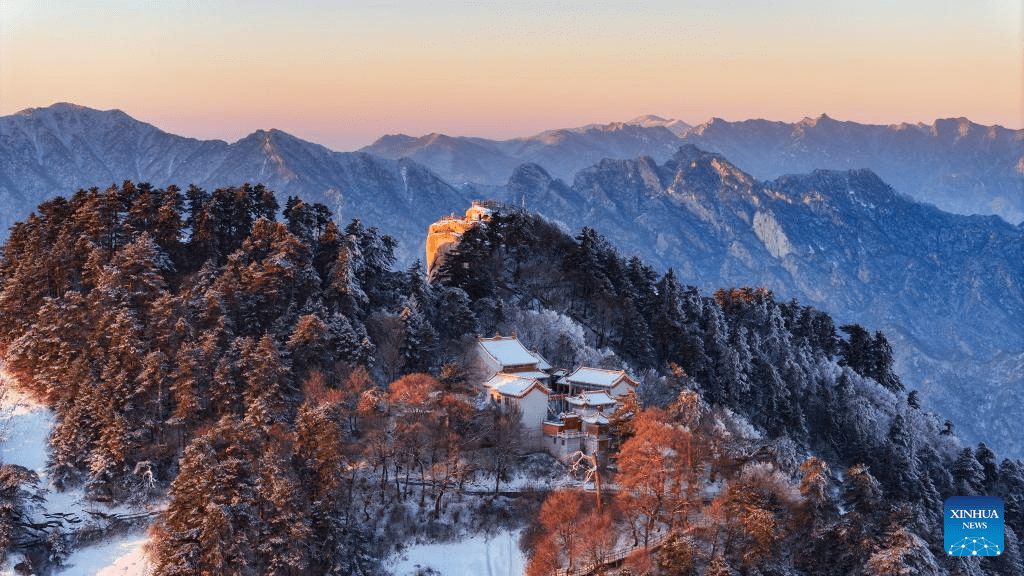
(534, 409)
(621, 388)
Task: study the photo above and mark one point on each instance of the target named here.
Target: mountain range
(946, 288)
(57, 150)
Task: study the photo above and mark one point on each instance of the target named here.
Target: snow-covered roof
(592, 399)
(542, 364)
(598, 377)
(533, 374)
(596, 419)
(514, 385)
(508, 351)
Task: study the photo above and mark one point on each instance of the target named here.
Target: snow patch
(120, 557)
(496, 555)
(24, 428)
(770, 232)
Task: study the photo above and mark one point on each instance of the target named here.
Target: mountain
(59, 149)
(457, 159)
(957, 165)
(562, 152)
(948, 290)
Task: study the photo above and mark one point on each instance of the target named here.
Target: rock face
(445, 234)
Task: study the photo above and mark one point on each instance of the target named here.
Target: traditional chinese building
(561, 412)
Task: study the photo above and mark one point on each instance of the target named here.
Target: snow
(538, 375)
(513, 385)
(24, 427)
(592, 398)
(120, 557)
(595, 376)
(496, 555)
(771, 234)
(542, 364)
(508, 351)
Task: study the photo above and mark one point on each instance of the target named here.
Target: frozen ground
(119, 557)
(24, 428)
(496, 555)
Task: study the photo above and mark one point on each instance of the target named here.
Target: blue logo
(973, 526)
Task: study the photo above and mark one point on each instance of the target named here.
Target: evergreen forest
(285, 401)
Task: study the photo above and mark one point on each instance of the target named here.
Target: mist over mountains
(946, 288)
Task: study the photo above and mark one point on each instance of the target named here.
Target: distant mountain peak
(808, 121)
(61, 109)
(654, 121)
(58, 107)
(532, 172)
(690, 152)
(647, 119)
(953, 127)
(395, 138)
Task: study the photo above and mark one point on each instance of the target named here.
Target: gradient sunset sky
(344, 73)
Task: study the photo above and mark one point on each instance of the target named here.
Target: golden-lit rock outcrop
(447, 232)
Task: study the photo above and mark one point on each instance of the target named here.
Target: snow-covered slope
(953, 163)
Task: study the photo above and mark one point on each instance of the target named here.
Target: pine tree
(1010, 562)
(815, 487)
(677, 555)
(309, 345)
(860, 491)
(718, 566)
(987, 459)
(285, 527)
(900, 464)
(968, 474)
(17, 488)
(902, 552)
(270, 393)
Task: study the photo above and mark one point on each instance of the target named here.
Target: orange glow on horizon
(344, 74)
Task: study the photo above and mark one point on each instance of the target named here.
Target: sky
(344, 73)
